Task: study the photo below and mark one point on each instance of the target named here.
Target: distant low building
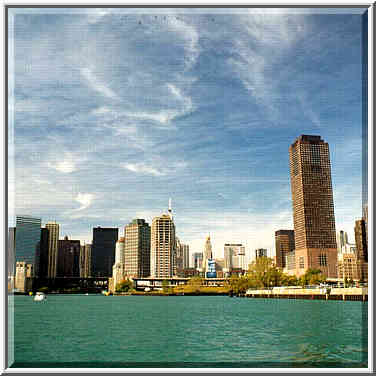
(24, 276)
(261, 252)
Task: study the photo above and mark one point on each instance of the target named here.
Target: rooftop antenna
(169, 208)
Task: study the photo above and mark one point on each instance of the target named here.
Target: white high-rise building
(208, 254)
(234, 257)
(163, 246)
(118, 270)
(343, 245)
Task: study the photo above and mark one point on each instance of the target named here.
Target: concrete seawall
(357, 294)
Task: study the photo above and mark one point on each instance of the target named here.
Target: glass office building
(28, 231)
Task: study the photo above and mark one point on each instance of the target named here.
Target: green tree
(263, 273)
(165, 285)
(312, 277)
(124, 286)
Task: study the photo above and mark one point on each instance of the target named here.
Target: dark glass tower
(27, 239)
(43, 253)
(103, 251)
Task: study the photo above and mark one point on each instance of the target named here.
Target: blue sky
(113, 111)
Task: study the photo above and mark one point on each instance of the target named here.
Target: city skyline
(212, 131)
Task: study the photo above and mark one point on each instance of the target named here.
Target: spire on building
(169, 208)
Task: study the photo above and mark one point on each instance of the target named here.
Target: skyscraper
(103, 251)
(118, 270)
(361, 240)
(53, 239)
(234, 257)
(197, 260)
(85, 261)
(27, 239)
(68, 260)
(284, 243)
(137, 249)
(11, 251)
(43, 253)
(313, 209)
(185, 248)
(162, 246)
(207, 254)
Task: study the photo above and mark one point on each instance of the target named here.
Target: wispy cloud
(141, 168)
(85, 199)
(95, 83)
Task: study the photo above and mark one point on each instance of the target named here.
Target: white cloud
(186, 101)
(96, 14)
(190, 36)
(66, 166)
(85, 199)
(143, 169)
(96, 84)
(163, 117)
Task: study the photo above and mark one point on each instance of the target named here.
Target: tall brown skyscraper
(137, 249)
(284, 243)
(312, 197)
(53, 240)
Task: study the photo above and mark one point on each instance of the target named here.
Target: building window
(323, 260)
(301, 262)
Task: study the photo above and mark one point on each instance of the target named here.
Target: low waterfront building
(24, 276)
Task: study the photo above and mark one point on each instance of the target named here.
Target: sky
(114, 111)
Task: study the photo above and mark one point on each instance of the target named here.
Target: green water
(188, 331)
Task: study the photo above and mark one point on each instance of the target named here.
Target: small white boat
(39, 296)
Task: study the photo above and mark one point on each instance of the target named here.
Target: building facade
(85, 261)
(137, 249)
(234, 257)
(103, 251)
(361, 240)
(163, 252)
(118, 270)
(27, 241)
(197, 260)
(284, 243)
(207, 254)
(360, 231)
(53, 240)
(261, 252)
(11, 272)
(313, 208)
(24, 276)
(68, 261)
(43, 253)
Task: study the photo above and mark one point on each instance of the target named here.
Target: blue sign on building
(211, 273)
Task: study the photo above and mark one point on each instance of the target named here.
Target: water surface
(188, 331)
